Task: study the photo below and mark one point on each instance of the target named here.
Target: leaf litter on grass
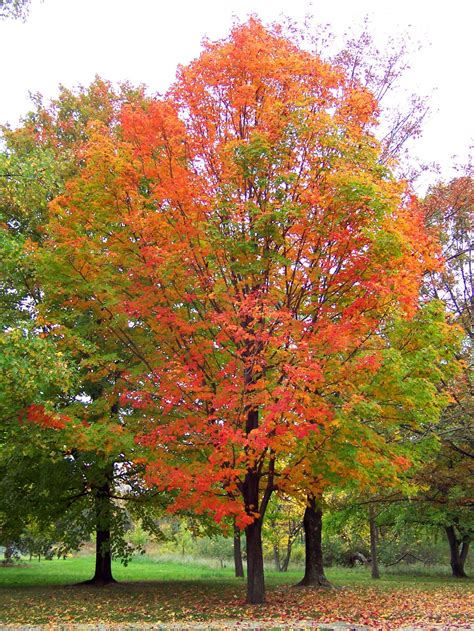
(201, 605)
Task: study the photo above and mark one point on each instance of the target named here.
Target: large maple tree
(245, 231)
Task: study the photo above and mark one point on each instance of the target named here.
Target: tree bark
(103, 559)
(458, 557)
(253, 532)
(255, 574)
(373, 544)
(276, 557)
(238, 564)
(286, 560)
(312, 524)
(464, 551)
(103, 552)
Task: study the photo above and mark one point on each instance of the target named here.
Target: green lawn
(76, 569)
(79, 568)
(154, 591)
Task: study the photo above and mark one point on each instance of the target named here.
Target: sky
(70, 41)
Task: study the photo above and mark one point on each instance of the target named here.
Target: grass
(173, 568)
(76, 569)
(151, 590)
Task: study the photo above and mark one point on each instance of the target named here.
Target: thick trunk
(103, 559)
(253, 532)
(373, 544)
(457, 558)
(314, 568)
(103, 552)
(255, 575)
(238, 564)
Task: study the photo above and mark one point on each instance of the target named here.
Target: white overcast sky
(70, 41)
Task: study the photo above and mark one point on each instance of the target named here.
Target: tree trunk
(276, 557)
(253, 532)
(457, 558)
(373, 544)
(103, 552)
(255, 575)
(464, 551)
(286, 560)
(238, 564)
(314, 568)
(103, 559)
(9, 554)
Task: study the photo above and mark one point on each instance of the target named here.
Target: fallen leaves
(381, 607)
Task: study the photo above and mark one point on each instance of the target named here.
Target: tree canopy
(229, 276)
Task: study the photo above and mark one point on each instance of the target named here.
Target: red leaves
(40, 416)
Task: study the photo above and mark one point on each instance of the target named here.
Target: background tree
(379, 70)
(15, 9)
(237, 549)
(437, 426)
(396, 404)
(282, 527)
(93, 453)
(32, 372)
(449, 214)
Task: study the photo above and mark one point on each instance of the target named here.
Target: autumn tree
(85, 441)
(437, 492)
(379, 70)
(449, 214)
(254, 242)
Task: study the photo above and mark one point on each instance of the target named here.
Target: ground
(151, 594)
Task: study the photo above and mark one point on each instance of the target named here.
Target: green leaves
(31, 371)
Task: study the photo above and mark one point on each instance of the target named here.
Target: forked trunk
(286, 561)
(313, 524)
(238, 564)
(458, 550)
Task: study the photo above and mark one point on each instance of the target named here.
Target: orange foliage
(245, 230)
